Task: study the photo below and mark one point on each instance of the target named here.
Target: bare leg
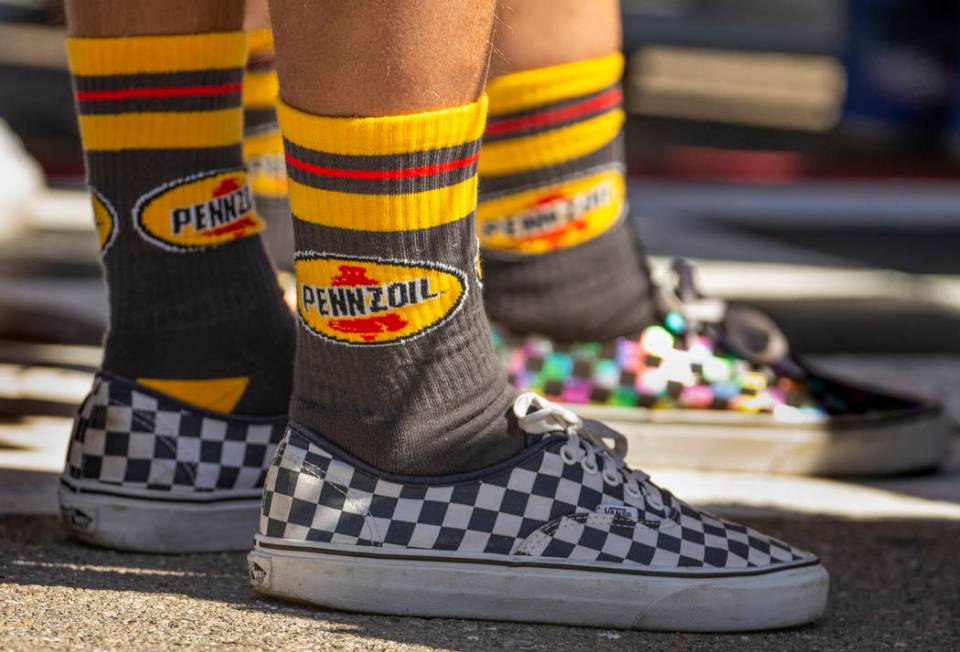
(256, 16)
(539, 33)
(381, 58)
(146, 17)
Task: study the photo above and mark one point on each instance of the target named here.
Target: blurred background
(804, 152)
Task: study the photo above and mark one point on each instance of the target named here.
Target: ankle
(453, 443)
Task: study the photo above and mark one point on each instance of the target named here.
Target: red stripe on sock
(404, 173)
(605, 100)
(159, 92)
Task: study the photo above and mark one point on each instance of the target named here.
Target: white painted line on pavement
(43, 384)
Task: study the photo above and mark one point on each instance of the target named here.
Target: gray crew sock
(395, 360)
(559, 257)
(195, 310)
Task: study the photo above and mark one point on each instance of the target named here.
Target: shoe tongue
(600, 431)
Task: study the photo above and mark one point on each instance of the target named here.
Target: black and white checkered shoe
(147, 472)
(562, 533)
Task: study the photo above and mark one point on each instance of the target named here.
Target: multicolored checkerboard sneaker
(147, 472)
(713, 387)
(562, 533)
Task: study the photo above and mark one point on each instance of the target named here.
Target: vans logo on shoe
(257, 573)
(74, 518)
(105, 218)
(620, 511)
(198, 211)
(556, 218)
(373, 301)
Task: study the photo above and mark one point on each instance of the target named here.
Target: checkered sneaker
(551, 502)
(689, 360)
(126, 436)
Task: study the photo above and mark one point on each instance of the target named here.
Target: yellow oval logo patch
(373, 301)
(198, 211)
(556, 217)
(105, 218)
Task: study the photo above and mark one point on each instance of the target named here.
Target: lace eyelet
(590, 467)
(656, 503)
(612, 479)
(567, 455)
(633, 493)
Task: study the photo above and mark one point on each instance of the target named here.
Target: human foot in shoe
(562, 533)
(714, 387)
(150, 473)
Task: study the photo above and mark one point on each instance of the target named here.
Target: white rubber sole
(713, 440)
(528, 590)
(144, 524)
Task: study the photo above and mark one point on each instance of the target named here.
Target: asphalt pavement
(895, 585)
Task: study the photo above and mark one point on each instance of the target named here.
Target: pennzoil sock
(263, 147)
(559, 257)
(394, 359)
(192, 291)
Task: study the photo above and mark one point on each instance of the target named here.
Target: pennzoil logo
(564, 215)
(374, 301)
(105, 219)
(551, 217)
(198, 211)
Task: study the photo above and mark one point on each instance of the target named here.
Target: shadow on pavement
(895, 583)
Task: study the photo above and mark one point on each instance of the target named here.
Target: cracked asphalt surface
(896, 585)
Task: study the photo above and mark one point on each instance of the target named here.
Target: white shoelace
(584, 446)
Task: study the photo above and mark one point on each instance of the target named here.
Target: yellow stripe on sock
(153, 54)
(408, 212)
(532, 88)
(260, 89)
(268, 143)
(550, 147)
(166, 130)
(260, 40)
(269, 185)
(384, 135)
(263, 153)
(217, 394)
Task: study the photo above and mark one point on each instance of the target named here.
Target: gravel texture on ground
(896, 585)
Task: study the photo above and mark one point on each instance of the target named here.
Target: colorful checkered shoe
(146, 472)
(562, 533)
(713, 387)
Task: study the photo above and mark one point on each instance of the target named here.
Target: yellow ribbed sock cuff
(530, 89)
(549, 116)
(159, 92)
(260, 41)
(260, 86)
(396, 173)
(131, 55)
(260, 89)
(400, 134)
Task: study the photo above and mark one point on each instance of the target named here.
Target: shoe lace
(746, 331)
(585, 445)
